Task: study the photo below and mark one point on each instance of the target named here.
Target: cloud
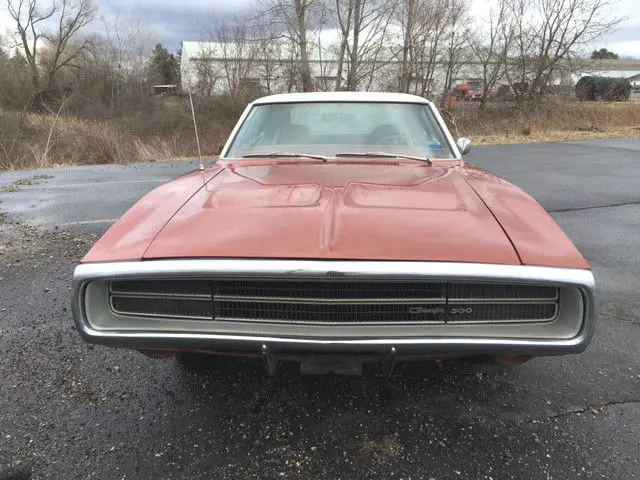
(176, 21)
(625, 40)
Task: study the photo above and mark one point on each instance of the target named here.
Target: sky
(175, 20)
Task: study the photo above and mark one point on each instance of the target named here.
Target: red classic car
(336, 229)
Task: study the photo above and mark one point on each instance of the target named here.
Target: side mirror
(464, 145)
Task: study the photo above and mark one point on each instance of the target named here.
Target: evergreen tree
(164, 66)
(604, 54)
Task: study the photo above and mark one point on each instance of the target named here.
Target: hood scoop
(335, 211)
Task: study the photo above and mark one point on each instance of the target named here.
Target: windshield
(338, 128)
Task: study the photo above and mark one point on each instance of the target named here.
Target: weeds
(164, 130)
(553, 121)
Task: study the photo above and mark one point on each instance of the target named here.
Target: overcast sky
(177, 20)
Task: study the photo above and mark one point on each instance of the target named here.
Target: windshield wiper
(382, 154)
(285, 154)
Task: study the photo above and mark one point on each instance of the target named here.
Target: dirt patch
(24, 246)
(34, 180)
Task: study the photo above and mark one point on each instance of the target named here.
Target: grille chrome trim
(335, 302)
(329, 269)
(351, 301)
(327, 323)
(162, 285)
(159, 295)
(86, 275)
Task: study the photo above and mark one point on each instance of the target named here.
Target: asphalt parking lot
(71, 410)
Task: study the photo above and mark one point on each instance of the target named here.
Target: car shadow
(468, 379)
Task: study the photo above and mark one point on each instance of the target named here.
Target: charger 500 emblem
(453, 311)
(459, 310)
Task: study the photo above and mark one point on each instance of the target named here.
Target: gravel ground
(72, 410)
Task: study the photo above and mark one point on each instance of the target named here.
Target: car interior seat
(382, 134)
(294, 134)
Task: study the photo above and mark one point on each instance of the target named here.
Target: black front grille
(163, 307)
(335, 301)
(328, 290)
(493, 292)
(329, 313)
(500, 312)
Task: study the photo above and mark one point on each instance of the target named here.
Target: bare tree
(32, 19)
(456, 41)
(490, 44)
(324, 51)
(428, 43)
(363, 26)
(294, 20)
(29, 20)
(123, 51)
(425, 25)
(15, 79)
(238, 55)
(268, 56)
(237, 52)
(205, 71)
(407, 14)
(547, 34)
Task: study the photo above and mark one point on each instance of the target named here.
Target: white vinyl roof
(341, 97)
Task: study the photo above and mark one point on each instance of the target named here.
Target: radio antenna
(195, 124)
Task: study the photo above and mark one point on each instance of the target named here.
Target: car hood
(382, 210)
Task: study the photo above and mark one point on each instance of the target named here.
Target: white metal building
(271, 67)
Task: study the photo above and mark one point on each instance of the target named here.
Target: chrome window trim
(304, 269)
(384, 98)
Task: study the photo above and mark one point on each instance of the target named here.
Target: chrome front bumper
(419, 345)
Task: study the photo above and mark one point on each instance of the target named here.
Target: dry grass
(160, 133)
(556, 121)
(556, 136)
(164, 130)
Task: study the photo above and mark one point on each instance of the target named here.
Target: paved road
(71, 410)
